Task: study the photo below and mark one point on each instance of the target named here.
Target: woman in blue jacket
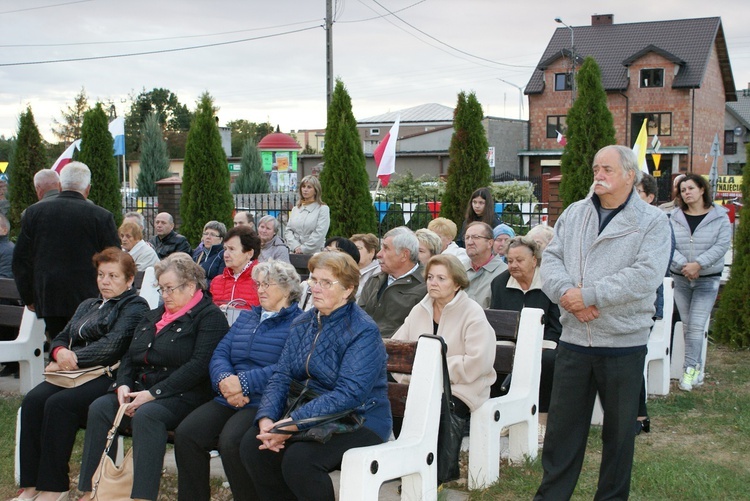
(702, 234)
(240, 367)
(210, 253)
(336, 350)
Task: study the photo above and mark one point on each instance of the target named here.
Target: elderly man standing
(52, 258)
(484, 265)
(603, 267)
(167, 241)
(389, 296)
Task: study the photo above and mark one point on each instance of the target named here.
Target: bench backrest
(299, 261)
(505, 324)
(401, 360)
(11, 313)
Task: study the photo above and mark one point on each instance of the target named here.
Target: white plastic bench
(413, 455)
(517, 410)
(27, 349)
(148, 288)
(657, 365)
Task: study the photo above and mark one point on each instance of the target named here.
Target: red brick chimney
(602, 19)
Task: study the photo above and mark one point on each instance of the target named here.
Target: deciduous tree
(252, 179)
(174, 116)
(205, 183)
(590, 128)
(469, 168)
(96, 152)
(27, 159)
(154, 157)
(68, 129)
(346, 185)
(242, 130)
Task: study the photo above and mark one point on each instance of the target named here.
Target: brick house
(675, 73)
(737, 132)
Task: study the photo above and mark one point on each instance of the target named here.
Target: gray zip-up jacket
(706, 246)
(618, 270)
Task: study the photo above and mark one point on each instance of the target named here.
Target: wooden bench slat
(138, 281)
(8, 289)
(10, 316)
(505, 323)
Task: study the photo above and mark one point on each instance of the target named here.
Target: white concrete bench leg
(656, 370)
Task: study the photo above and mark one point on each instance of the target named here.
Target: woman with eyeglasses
(336, 350)
(240, 367)
(210, 254)
(163, 376)
(235, 286)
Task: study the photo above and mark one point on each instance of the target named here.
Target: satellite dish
(739, 131)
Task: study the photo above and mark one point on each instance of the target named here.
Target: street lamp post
(572, 58)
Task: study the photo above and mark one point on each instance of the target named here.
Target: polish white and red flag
(385, 154)
(561, 138)
(66, 157)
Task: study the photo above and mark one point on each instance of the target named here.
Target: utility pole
(520, 97)
(329, 52)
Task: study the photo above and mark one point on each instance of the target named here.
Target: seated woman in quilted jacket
(335, 349)
(98, 334)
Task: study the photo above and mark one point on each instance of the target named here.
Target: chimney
(602, 19)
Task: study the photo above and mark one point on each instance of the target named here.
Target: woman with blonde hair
(368, 246)
(308, 224)
(131, 236)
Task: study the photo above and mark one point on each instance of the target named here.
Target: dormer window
(652, 77)
(563, 81)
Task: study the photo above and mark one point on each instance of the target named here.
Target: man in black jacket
(52, 259)
(167, 241)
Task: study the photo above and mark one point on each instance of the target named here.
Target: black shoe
(642, 426)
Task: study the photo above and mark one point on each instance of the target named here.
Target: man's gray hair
(270, 219)
(75, 176)
(138, 216)
(46, 178)
(404, 238)
(628, 161)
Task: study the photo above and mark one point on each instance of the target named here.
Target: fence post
(169, 192)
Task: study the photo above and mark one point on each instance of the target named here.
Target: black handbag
(318, 428)
(451, 431)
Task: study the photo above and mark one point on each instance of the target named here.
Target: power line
(160, 39)
(381, 15)
(44, 6)
(162, 51)
(448, 45)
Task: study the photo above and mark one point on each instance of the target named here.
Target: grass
(699, 446)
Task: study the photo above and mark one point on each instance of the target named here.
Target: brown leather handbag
(111, 482)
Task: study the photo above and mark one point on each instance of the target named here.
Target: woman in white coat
(308, 224)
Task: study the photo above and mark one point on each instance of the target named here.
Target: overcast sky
(275, 69)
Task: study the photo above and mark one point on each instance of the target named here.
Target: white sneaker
(698, 381)
(688, 378)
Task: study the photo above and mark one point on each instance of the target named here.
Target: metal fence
(390, 212)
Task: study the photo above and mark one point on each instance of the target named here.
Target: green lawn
(699, 446)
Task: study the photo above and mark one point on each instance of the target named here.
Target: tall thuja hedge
(468, 169)
(732, 322)
(205, 183)
(28, 157)
(154, 156)
(252, 179)
(589, 128)
(346, 185)
(97, 153)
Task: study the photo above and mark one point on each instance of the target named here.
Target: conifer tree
(346, 185)
(732, 323)
(205, 183)
(468, 169)
(589, 128)
(154, 156)
(28, 158)
(97, 153)
(252, 179)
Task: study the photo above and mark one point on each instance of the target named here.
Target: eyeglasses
(265, 285)
(168, 291)
(640, 191)
(324, 284)
(209, 234)
(469, 238)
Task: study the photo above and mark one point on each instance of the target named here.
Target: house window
(652, 77)
(658, 123)
(556, 123)
(563, 81)
(374, 132)
(730, 147)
